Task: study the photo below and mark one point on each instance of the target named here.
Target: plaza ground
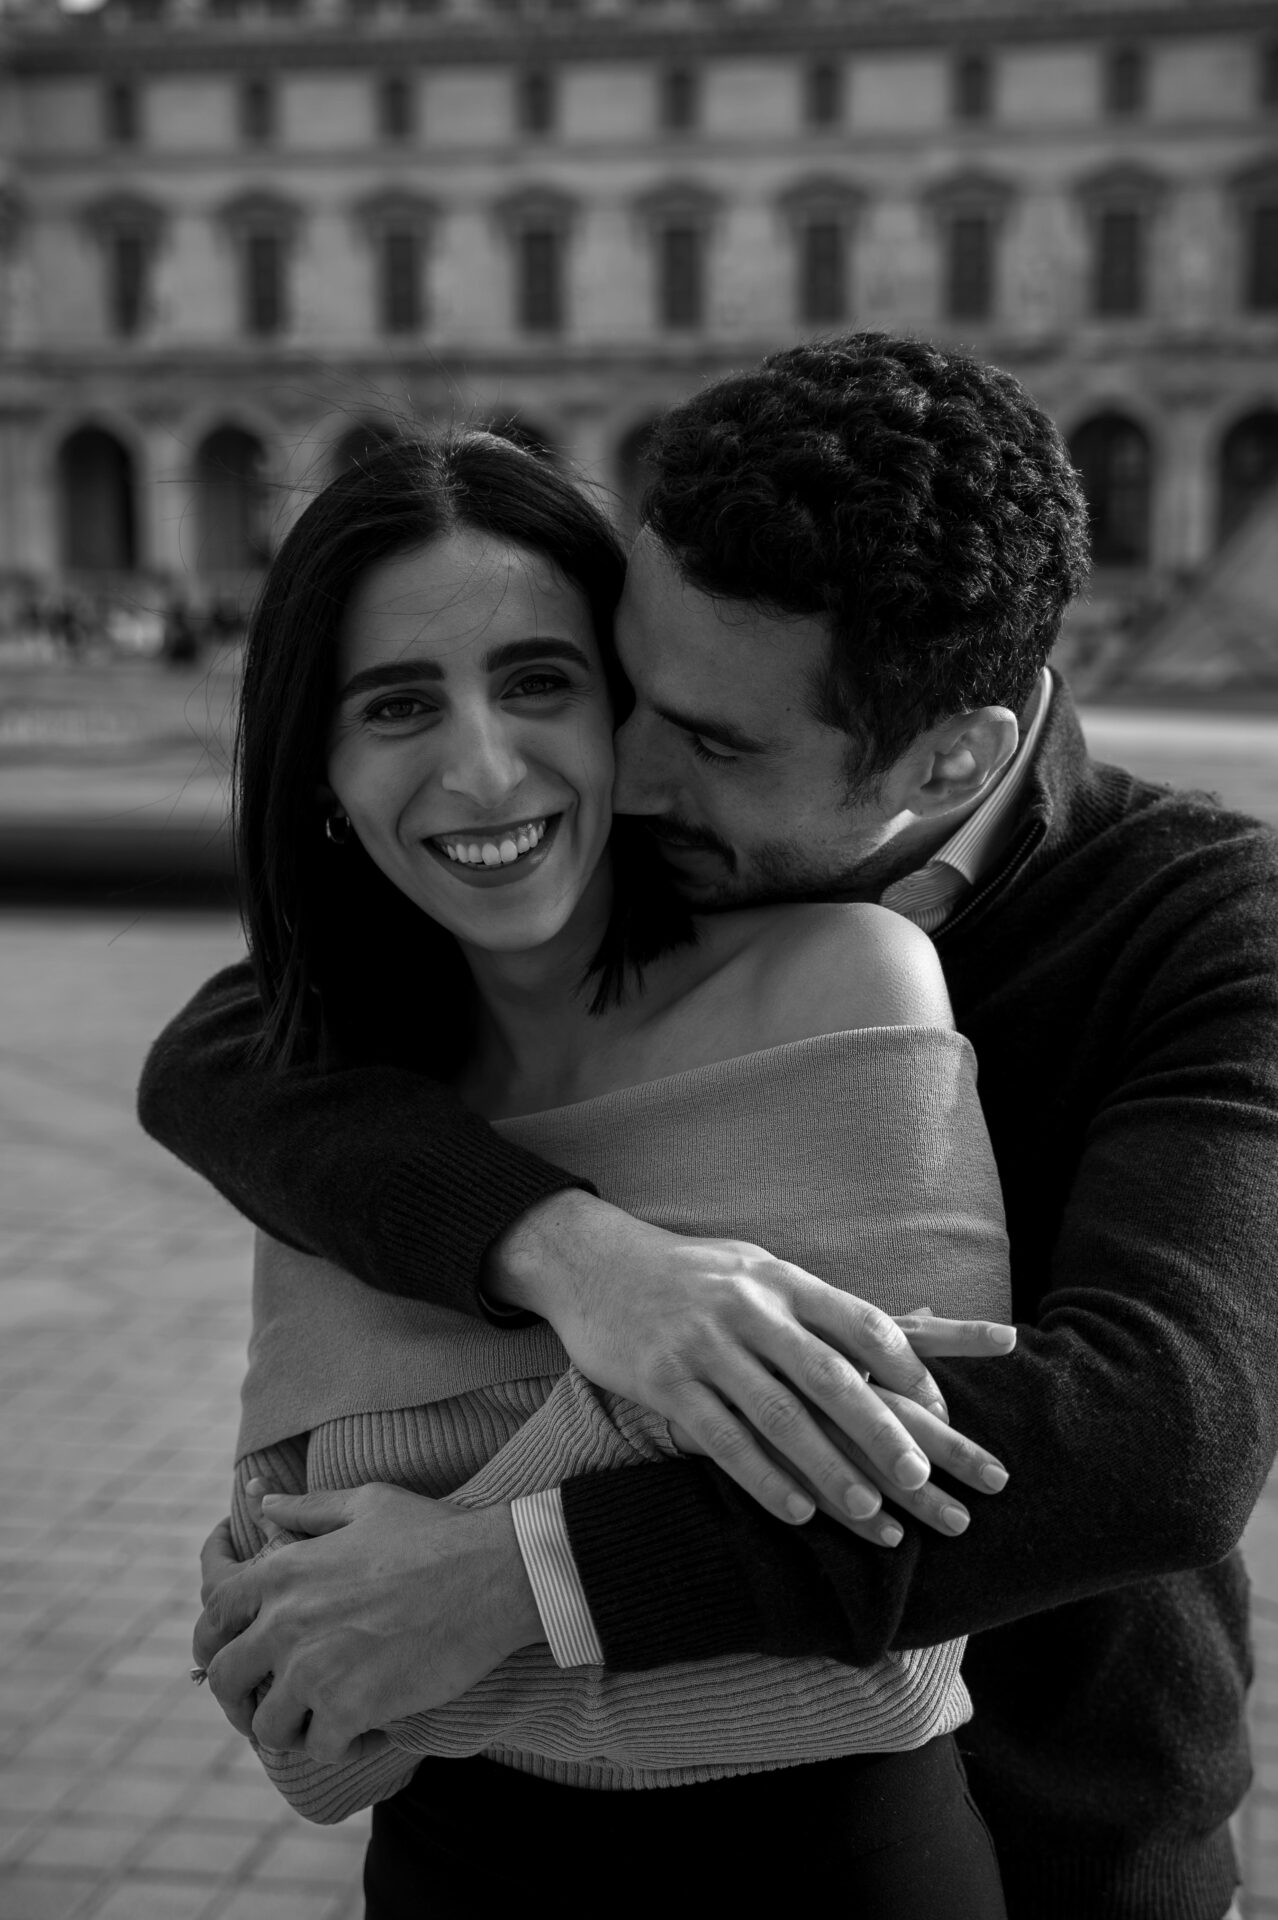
(123, 1317)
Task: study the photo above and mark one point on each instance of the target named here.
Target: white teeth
(493, 853)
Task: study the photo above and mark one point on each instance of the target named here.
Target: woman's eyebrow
(391, 673)
(515, 653)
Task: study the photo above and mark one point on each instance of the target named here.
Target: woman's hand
(957, 1456)
(755, 1361)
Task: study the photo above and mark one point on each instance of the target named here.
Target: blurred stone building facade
(240, 237)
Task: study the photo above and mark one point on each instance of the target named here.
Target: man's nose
(638, 786)
(484, 763)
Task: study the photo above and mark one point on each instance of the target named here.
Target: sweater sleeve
(378, 1169)
(1139, 1413)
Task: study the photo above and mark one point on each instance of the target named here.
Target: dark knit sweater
(1119, 981)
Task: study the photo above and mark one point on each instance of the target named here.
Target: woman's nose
(484, 763)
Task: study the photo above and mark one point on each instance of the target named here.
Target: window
(1124, 82)
(681, 275)
(1261, 284)
(257, 113)
(969, 276)
(1267, 77)
(127, 229)
(540, 293)
(680, 99)
(120, 111)
(1248, 468)
(823, 95)
(400, 305)
(395, 103)
(1112, 457)
(823, 271)
(127, 258)
(262, 229)
(1118, 283)
(264, 313)
(535, 102)
(973, 87)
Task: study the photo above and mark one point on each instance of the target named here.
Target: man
(852, 566)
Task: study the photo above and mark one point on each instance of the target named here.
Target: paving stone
(126, 1791)
(47, 1896)
(235, 1800)
(323, 1854)
(168, 1899)
(79, 1843)
(211, 1852)
(255, 1902)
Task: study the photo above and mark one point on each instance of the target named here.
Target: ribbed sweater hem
(460, 1236)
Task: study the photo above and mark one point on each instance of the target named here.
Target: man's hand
(397, 1605)
(743, 1352)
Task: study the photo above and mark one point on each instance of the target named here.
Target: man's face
(746, 790)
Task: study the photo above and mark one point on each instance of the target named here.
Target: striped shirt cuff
(556, 1585)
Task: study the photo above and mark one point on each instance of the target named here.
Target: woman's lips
(496, 876)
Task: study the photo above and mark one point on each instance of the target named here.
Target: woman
(431, 873)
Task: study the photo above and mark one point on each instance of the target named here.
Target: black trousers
(890, 1836)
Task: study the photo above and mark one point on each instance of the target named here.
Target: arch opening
(230, 496)
(1248, 468)
(1112, 455)
(98, 500)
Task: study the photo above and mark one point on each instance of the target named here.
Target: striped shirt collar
(930, 894)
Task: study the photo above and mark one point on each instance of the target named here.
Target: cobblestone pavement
(123, 1316)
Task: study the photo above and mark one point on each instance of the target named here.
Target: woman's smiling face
(472, 737)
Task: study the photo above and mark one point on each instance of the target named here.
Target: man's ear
(955, 763)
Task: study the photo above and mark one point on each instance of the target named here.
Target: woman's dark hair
(913, 498)
(345, 962)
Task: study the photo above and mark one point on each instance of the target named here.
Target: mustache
(667, 829)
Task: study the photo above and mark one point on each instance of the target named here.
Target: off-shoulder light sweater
(862, 1156)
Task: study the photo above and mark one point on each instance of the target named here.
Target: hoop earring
(337, 829)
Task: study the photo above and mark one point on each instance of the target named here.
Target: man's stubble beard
(778, 875)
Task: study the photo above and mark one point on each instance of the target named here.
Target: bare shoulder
(829, 967)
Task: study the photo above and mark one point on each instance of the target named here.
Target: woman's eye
(715, 756)
(533, 684)
(397, 706)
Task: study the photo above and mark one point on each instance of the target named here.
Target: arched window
(358, 443)
(821, 212)
(1112, 456)
(538, 223)
(97, 495)
(1248, 467)
(970, 211)
(230, 503)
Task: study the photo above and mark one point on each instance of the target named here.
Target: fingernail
(995, 1478)
(911, 1470)
(861, 1502)
(890, 1534)
(1004, 1337)
(272, 1499)
(942, 1411)
(798, 1507)
(955, 1519)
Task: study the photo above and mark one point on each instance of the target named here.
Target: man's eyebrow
(710, 728)
(512, 653)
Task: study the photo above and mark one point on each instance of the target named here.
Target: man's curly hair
(914, 498)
